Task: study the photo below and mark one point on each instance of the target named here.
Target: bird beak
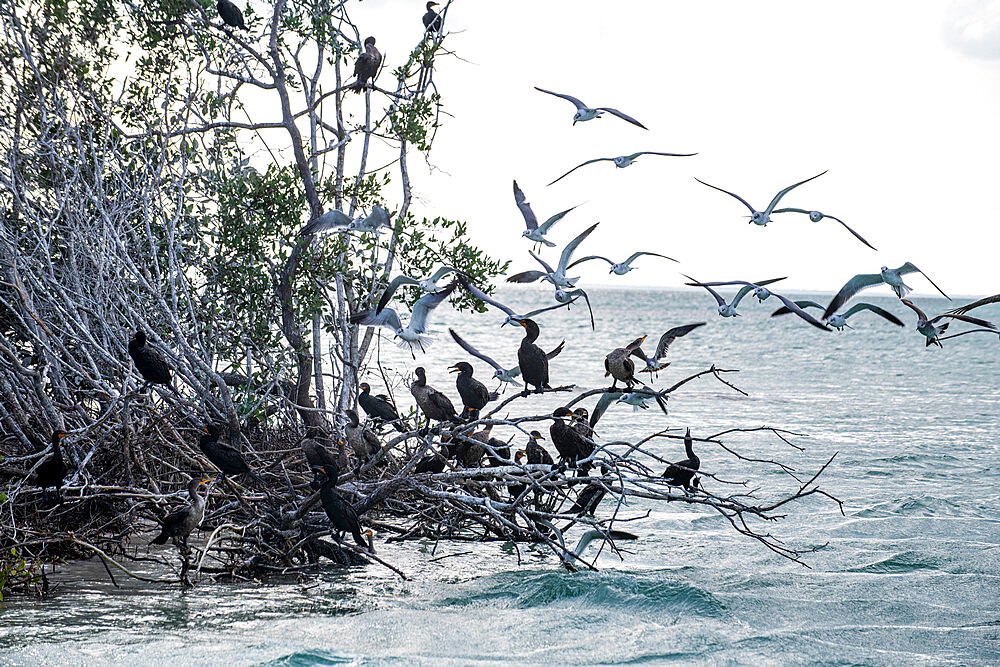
(523, 323)
(62, 435)
(454, 369)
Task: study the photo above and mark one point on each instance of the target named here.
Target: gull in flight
(839, 321)
(429, 285)
(816, 216)
(620, 268)
(338, 221)
(729, 309)
(567, 297)
(412, 334)
(511, 315)
(891, 277)
(653, 363)
(762, 217)
(933, 332)
(621, 161)
(584, 113)
(500, 373)
(555, 276)
(534, 231)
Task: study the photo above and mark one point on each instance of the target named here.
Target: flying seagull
(620, 268)
(839, 321)
(584, 113)
(761, 217)
(816, 216)
(555, 276)
(891, 277)
(410, 335)
(511, 315)
(621, 161)
(534, 231)
(500, 373)
(569, 296)
(933, 332)
(653, 363)
(729, 310)
(429, 285)
(338, 221)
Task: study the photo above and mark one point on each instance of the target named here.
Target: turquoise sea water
(910, 575)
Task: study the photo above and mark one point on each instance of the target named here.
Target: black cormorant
(151, 365)
(681, 472)
(432, 20)
(367, 65)
(474, 393)
(53, 469)
(435, 405)
(225, 457)
(180, 523)
(532, 361)
(318, 456)
(581, 423)
(432, 463)
(231, 14)
(619, 365)
(535, 453)
(379, 407)
(572, 446)
(364, 443)
(341, 513)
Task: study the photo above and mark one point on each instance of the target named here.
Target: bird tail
(357, 86)
(902, 290)
(423, 342)
(161, 538)
(398, 425)
(255, 477)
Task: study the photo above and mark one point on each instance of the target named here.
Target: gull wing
(606, 399)
(746, 289)
(583, 164)
(388, 318)
(832, 217)
(636, 255)
(529, 216)
(962, 333)
(547, 225)
(858, 307)
(379, 217)
(525, 277)
(961, 310)
(800, 304)
(577, 292)
(587, 259)
(774, 202)
(539, 311)
(695, 283)
(577, 102)
(484, 297)
(967, 318)
(396, 283)
(790, 305)
(623, 116)
(673, 334)
(731, 194)
(474, 352)
(909, 304)
(424, 305)
(852, 287)
(910, 268)
(332, 219)
(571, 247)
(442, 272)
(635, 155)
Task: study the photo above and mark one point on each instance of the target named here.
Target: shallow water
(911, 574)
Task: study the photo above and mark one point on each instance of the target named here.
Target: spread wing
(774, 202)
(606, 399)
(575, 101)
(425, 304)
(910, 268)
(396, 283)
(486, 298)
(474, 352)
(529, 216)
(623, 116)
(731, 194)
(547, 225)
(583, 164)
(673, 334)
(587, 259)
(695, 283)
(852, 287)
(858, 307)
(332, 219)
(790, 305)
(388, 318)
(961, 310)
(545, 265)
(635, 155)
(555, 353)
(539, 311)
(571, 247)
(636, 255)
(800, 304)
(525, 277)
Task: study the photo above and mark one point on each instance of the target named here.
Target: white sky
(899, 100)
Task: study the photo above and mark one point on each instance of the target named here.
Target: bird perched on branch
(580, 422)
(230, 14)
(179, 524)
(531, 359)
(379, 407)
(474, 393)
(52, 470)
(891, 277)
(150, 363)
(341, 513)
(432, 20)
(572, 446)
(225, 457)
(318, 456)
(681, 472)
(366, 66)
(500, 373)
(363, 442)
(435, 405)
(619, 365)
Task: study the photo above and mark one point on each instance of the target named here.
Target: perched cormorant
(318, 456)
(367, 65)
(379, 407)
(535, 453)
(431, 463)
(532, 361)
(180, 523)
(435, 405)
(151, 365)
(572, 446)
(341, 513)
(225, 457)
(501, 452)
(587, 499)
(474, 393)
(580, 422)
(620, 366)
(53, 469)
(432, 20)
(231, 14)
(681, 472)
(364, 443)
